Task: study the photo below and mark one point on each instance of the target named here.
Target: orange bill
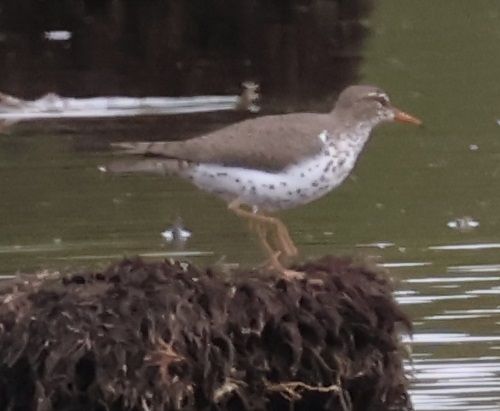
(403, 117)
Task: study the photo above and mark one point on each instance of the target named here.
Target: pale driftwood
(54, 106)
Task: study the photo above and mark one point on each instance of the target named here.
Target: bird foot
(292, 274)
(274, 264)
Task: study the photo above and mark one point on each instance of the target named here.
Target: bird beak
(403, 117)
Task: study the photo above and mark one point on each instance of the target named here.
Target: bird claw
(292, 274)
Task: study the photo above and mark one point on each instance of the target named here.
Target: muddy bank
(168, 336)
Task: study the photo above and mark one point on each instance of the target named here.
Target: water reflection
(456, 384)
(458, 247)
(459, 368)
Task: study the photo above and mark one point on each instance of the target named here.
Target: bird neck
(354, 132)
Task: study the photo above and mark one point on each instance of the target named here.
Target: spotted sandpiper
(271, 163)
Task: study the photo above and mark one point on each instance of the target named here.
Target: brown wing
(268, 143)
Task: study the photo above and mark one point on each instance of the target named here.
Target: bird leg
(282, 238)
(261, 224)
(273, 255)
(274, 262)
(283, 235)
(284, 242)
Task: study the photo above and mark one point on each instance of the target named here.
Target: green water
(438, 60)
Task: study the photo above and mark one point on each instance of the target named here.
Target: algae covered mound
(168, 336)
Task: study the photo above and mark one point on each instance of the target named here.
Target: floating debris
(381, 245)
(463, 223)
(176, 232)
(58, 35)
(249, 97)
(54, 106)
(473, 147)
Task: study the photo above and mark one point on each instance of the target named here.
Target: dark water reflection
(439, 61)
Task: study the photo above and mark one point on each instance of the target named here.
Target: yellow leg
(273, 255)
(260, 224)
(283, 239)
(274, 262)
(283, 236)
(285, 243)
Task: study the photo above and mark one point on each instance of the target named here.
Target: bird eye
(380, 98)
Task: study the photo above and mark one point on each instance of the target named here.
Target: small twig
(345, 400)
(291, 390)
(229, 385)
(163, 357)
(144, 404)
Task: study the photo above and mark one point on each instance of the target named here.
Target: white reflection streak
(479, 268)
(483, 246)
(447, 338)
(430, 280)
(454, 317)
(452, 385)
(402, 265)
(425, 299)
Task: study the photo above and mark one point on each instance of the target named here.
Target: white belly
(296, 185)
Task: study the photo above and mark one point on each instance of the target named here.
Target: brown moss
(167, 336)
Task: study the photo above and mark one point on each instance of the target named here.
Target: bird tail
(131, 148)
(149, 165)
(146, 158)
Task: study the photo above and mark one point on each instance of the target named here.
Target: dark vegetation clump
(167, 336)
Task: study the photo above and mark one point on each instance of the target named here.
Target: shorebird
(263, 165)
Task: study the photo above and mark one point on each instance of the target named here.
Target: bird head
(369, 105)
